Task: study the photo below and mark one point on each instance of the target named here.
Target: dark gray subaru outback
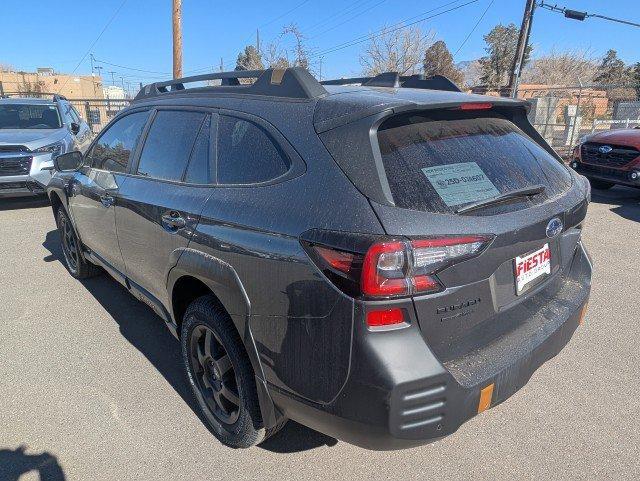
(379, 259)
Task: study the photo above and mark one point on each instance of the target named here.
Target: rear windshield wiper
(514, 194)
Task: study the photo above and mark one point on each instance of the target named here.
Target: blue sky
(58, 33)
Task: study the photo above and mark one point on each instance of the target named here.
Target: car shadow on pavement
(14, 463)
(627, 200)
(23, 203)
(141, 327)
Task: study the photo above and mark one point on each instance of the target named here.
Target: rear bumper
(399, 394)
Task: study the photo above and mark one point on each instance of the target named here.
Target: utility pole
(521, 49)
(113, 79)
(177, 38)
(221, 65)
(91, 57)
(258, 40)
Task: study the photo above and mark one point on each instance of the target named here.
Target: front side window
(168, 146)
(29, 116)
(246, 153)
(113, 149)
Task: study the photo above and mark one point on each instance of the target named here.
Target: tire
(74, 259)
(600, 184)
(221, 375)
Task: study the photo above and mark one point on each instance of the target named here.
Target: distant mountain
(471, 70)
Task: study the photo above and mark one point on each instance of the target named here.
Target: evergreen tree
(249, 59)
(612, 70)
(502, 43)
(439, 61)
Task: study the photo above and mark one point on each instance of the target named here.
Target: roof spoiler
(395, 80)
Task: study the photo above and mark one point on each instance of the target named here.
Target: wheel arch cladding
(200, 274)
(55, 201)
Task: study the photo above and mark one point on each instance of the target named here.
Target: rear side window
(169, 143)
(440, 161)
(246, 153)
(113, 149)
(199, 171)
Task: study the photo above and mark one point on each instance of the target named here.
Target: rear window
(441, 161)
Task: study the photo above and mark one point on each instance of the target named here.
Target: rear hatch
(463, 171)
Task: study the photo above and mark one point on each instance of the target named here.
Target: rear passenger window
(114, 147)
(169, 143)
(199, 171)
(246, 153)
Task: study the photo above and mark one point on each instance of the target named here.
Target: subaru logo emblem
(554, 227)
(605, 149)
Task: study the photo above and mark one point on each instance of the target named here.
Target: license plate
(532, 267)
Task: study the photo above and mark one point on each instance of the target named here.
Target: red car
(609, 158)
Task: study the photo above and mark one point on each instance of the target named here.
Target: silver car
(32, 133)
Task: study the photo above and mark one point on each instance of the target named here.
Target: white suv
(32, 133)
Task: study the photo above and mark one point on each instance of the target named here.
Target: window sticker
(460, 183)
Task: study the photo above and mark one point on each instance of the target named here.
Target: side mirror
(75, 128)
(69, 162)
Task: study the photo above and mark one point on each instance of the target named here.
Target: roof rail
(395, 80)
(294, 82)
(57, 97)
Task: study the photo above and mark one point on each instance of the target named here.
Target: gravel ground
(92, 388)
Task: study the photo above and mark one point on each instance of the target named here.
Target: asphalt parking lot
(91, 385)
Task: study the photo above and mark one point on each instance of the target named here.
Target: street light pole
(521, 48)
(177, 38)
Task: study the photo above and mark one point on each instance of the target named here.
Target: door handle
(173, 221)
(107, 200)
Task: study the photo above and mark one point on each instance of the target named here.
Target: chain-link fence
(565, 114)
(96, 112)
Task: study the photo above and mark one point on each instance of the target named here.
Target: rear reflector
(486, 394)
(339, 260)
(583, 312)
(476, 106)
(387, 317)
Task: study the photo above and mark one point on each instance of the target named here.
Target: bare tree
(301, 53)
(562, 68)
(400, 50)
(275, 56)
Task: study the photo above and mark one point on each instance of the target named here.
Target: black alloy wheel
(70, 248)
(214, 374)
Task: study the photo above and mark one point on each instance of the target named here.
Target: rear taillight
(397, 267)
(405, 268)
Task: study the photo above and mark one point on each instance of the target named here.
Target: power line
(115, 14)
(362, 12)
(398, 26)
(129, 68)
(340, 13)
(578, 15)
(474, 28)
(284, 14)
